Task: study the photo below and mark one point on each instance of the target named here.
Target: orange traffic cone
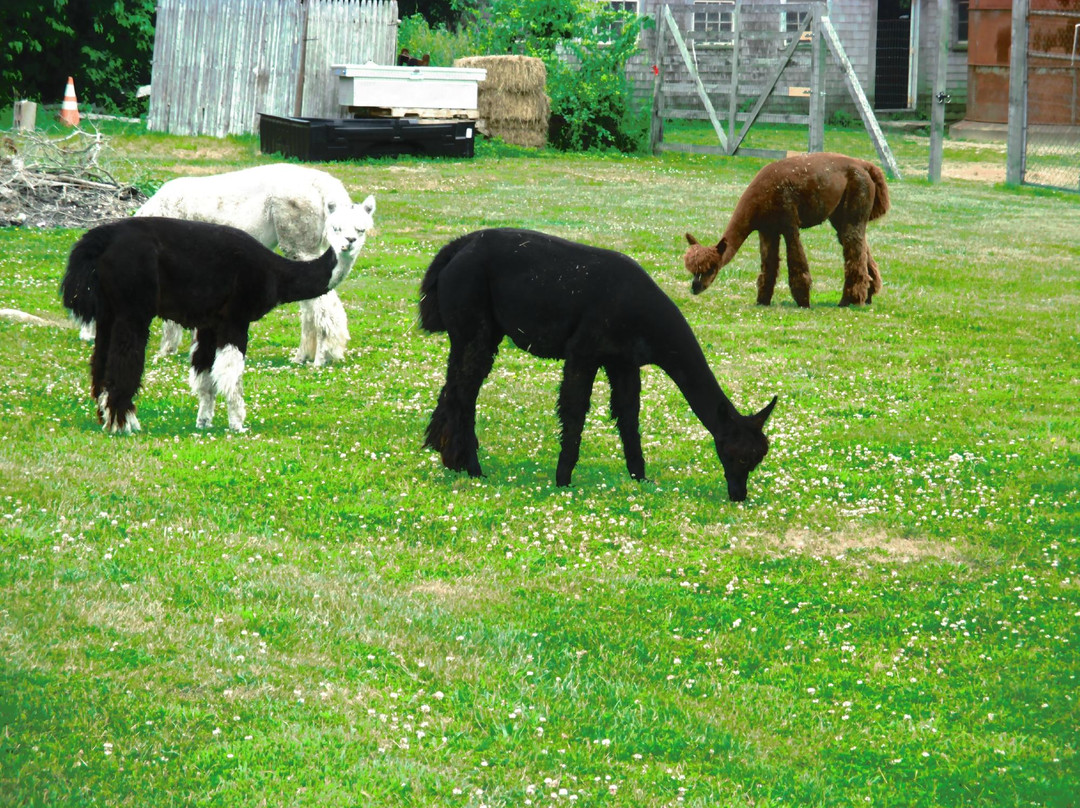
(69, 110)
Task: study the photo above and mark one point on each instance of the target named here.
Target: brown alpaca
(797, 192)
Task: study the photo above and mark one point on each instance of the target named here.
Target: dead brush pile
(61, 182)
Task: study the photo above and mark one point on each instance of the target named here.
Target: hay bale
(515, 74)
(499, 105)
(511, 101)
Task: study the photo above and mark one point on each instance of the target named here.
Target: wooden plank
(689, 88)
(692, 148)
(765, 117)
(798, 92)
(677, 36)
(856, 91)
(769, 154)
(1016, 139)
(696, 148)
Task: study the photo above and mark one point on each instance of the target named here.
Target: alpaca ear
(760, 418)
(721, 245)
(691, 239)
(369, 205)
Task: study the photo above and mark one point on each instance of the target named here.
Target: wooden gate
(807, 28)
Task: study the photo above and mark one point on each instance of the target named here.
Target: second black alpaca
(593, 308)
(212, 278)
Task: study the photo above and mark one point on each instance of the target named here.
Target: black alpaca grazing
(212, 278)
(591, 307)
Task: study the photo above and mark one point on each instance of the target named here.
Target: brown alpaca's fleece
(794, 193)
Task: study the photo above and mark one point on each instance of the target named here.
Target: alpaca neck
(738, 230)
(304, 280)
(345, 261)
(685, 363)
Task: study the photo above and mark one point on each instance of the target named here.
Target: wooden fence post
(816, 142)
(656, 127)
(1017, 137)
(941, 91)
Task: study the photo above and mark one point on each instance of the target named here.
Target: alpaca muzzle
(703, 263)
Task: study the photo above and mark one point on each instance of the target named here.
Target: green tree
(106, 45)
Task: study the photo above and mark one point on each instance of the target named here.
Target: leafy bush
(439, 42)
(842, 118)
(585, 47)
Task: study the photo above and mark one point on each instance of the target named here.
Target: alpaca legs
(452, 430)
(324, 330)
(625, 409)
(857, 282)
(218, 370)
(227, 375)
(171, 334)
(798, 270)
(309, 340)
(202, 386)
(98, 360)
(123, 369)
(875, 276)
(574, 394)
(770, 265)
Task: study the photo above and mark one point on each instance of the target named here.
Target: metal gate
(1044, 95)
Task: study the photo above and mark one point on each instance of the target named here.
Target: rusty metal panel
(219, 63)
(989, 36)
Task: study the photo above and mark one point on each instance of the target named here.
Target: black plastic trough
(320, 139)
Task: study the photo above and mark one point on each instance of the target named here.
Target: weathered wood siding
(855, 22)
(219, 63)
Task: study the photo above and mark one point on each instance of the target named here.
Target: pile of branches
(60, 182)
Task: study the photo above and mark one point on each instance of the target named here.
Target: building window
(960, 25)
(792, 20)
(714, 15)
(622, 6)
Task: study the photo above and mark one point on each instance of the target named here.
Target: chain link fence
(1052, 136)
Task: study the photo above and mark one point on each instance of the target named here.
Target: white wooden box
(408, 87)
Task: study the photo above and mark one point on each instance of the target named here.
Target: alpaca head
(347, 227)
(702, 262)
(741, 446)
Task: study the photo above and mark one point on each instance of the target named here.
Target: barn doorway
(892, 74)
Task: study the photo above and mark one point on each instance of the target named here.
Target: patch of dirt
(979, 172)
(873, 547)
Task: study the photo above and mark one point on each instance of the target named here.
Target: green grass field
(316, 613)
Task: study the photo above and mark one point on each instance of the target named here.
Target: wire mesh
(1052, 152)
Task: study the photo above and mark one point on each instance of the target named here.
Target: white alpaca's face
(347, 227)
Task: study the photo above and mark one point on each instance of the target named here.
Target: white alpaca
(296, 209)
